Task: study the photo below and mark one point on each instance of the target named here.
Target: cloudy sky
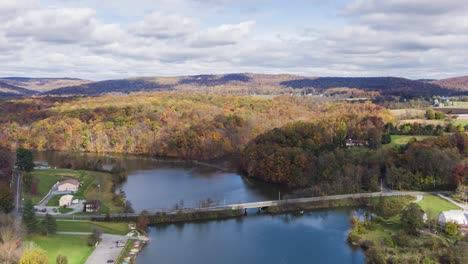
(103, 39)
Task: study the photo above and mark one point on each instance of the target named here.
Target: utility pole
(279, 195)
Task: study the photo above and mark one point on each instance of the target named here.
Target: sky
(111, 39)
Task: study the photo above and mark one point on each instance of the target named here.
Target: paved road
(242, 206)
(319, 198)
(17, 190)
(74, 233)
(107, 249)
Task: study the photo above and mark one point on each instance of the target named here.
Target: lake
(156, 184)
(312, 237)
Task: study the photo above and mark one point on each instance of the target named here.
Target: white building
(69, 186)
(66, 200)
(457, 216)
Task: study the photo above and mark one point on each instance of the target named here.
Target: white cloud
(158, 25)
(421, 7)
(117, 38)
(14, 6)
(66, 25)
(222, 35)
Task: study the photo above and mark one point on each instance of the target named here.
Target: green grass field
(47, 178)
(402, 140)
(462, 122)
(88, 191)
(459, 104)
(435, 205)
(87, 226)
(74, 247)
(64, 210)
(54, 201)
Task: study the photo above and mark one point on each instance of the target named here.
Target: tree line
(192, 126)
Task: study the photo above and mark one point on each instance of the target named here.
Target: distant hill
(234, 83)
(42, 84)
(111, 86)
(457, 83)
(238, 83)
(12, 91)
(385, 85)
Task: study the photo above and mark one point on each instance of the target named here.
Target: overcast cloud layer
(103, 39)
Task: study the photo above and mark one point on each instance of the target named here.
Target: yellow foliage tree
(34, 256)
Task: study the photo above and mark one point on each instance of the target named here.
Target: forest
(316, 158)
(171, 124)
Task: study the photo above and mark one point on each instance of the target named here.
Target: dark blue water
(313, 237)
(163, 186)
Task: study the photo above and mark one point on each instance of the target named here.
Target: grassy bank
(88, 226)
(74, 247)
(348, 202)
(164, 218)
(125, 252)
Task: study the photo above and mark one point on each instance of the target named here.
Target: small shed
(69, 185)
(457, 216)
(66, 200)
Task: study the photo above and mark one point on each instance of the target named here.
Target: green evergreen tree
(24, 159)
(6, 198)
(386, 138)
(29, 217)
(49, 224)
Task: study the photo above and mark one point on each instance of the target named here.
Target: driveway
(54, 191)
(107, 249)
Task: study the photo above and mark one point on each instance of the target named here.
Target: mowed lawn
(88, 226)
(436, 204)
(402, 140)
(88, 191)
(47, 179)
(74, 247)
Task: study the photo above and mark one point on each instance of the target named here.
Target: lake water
(313, 237)
(155, 184)
(164, 186)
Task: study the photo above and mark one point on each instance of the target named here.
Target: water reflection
(312, 237)
(160, 184)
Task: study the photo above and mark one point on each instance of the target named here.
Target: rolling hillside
(237, 84)
(111, 86)
(457, 83)
(12, 91)
(42, 84)
(385, 85)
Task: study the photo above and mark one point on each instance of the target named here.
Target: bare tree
(10, 239)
